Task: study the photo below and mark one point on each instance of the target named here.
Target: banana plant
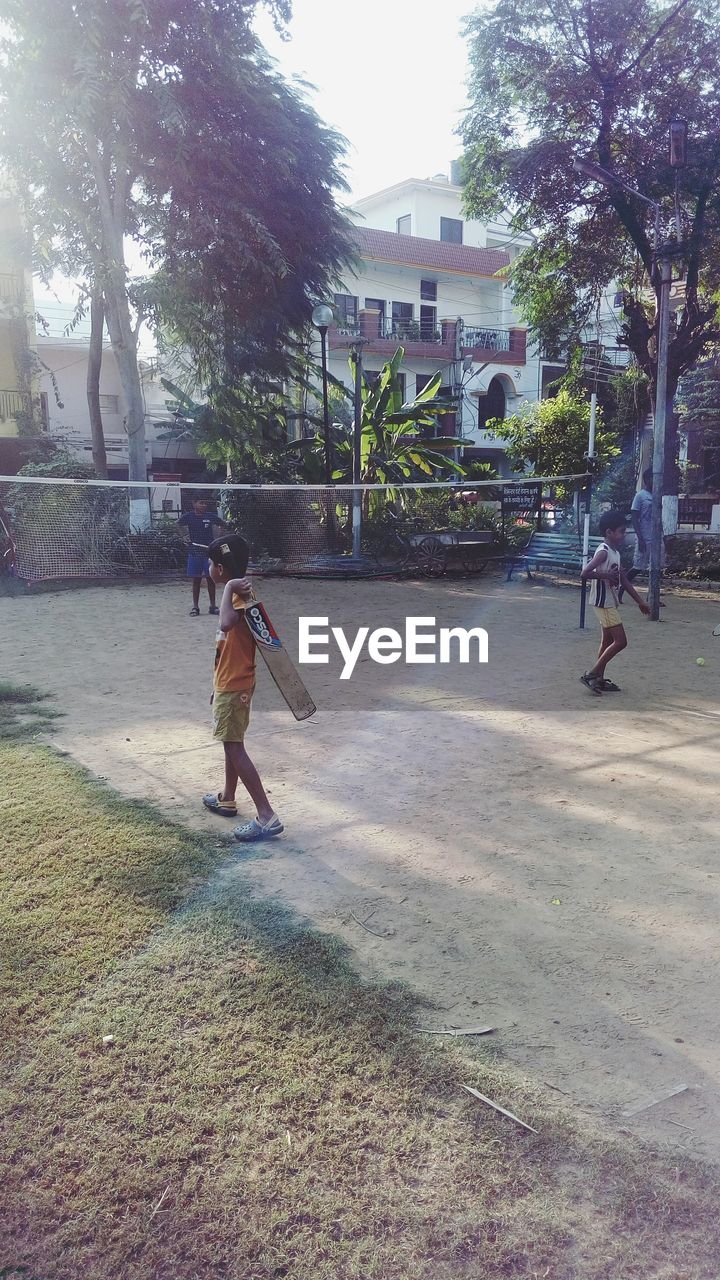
(393, 449)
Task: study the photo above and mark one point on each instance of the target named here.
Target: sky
(388, 74)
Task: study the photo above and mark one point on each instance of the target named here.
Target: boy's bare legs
(613, 642)
(211, 590)
(196, 583)
(231, 775)
(244, 769)
(605, 642)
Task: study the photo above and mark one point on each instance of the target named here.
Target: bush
(433, 509)
(161, 549)
(690, 556)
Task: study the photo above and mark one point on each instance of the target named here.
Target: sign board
(522, 500)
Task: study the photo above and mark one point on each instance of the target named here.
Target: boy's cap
(232, 552)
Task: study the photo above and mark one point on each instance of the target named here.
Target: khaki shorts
(231, 715)
(608, 617)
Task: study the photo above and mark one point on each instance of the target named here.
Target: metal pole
(326, 406)
(357, 459)
(656, 528)
(588, 501)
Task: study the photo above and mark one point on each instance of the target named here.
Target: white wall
(69, 421)
(480, 302)
(428, 202)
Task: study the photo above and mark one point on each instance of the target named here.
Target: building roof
(438, 183)
(434, 255)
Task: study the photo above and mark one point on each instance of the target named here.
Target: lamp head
(322, 315)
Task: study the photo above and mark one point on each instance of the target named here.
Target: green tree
(240, 432)
(599, 80)
(166, 124)
(551, 436)
(699, 396)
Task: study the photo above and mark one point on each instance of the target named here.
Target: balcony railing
(508, 345)
(487, 339)
(413, 331)
(402, 330)
(11, 287)
(11, 403)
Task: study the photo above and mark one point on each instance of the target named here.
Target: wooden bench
(550, 551)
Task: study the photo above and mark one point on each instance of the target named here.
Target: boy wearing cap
(233, 686)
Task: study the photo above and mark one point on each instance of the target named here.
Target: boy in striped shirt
(607, 577)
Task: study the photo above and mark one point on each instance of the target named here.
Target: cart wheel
(431, 556)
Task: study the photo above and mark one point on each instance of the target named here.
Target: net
(65, 529)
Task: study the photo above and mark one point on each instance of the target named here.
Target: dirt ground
(521, 853)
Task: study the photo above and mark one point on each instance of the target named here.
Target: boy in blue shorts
(201, 528)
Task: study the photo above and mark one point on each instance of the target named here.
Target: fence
(68, 528)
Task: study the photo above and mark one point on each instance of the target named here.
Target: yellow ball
(701, 662)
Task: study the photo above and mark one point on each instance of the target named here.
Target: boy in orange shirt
(233, 687)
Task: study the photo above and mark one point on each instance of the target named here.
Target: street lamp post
(356, 357)
(322, 317)
(664, 255)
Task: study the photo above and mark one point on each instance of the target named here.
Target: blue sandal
(255, 830)
(224, 808)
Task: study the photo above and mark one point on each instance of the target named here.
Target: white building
(63, 382)
(432, 281)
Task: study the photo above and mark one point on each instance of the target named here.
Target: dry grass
(261, 1112)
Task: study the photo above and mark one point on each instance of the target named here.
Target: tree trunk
(123, 336)
(124, 345)
(671, 473)
(97, 321)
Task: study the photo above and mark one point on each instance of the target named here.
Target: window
(403, 225)
(346, 308)
(403, 325)
(428, 290)
(428, 323)
(111, 404)
(451, 230)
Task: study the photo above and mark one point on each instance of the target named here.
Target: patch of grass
(261, 1112)
(21, 714)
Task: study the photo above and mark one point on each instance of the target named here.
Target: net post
(588, 501)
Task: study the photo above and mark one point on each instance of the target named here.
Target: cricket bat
(278, 661)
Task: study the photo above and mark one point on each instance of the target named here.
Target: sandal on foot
(216, 804)
(591, 683)
(608, 686)
(256, 830)
(194, 613)
(213, 609)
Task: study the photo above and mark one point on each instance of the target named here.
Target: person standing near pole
(641, 516)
